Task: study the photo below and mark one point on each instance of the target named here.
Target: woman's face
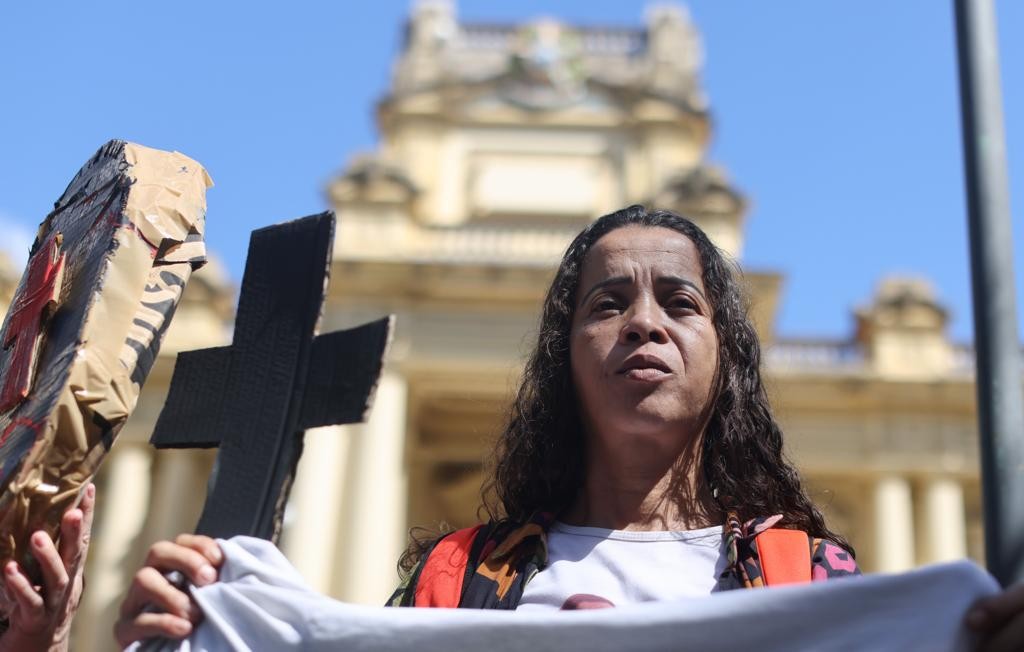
(643, 347)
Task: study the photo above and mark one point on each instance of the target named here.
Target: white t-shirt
(591, 567)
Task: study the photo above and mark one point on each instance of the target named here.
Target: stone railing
(836, 357)
(594, 41)
(487, 37)
(814, 356)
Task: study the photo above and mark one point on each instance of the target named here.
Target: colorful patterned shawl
(505, 556)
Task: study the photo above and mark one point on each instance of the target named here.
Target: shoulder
(829, 560)
(456, 551)
(785, 551)
(466, 567)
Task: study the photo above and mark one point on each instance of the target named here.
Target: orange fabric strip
(785, 556)
(440, 581)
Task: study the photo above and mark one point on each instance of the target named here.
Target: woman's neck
(631, 493)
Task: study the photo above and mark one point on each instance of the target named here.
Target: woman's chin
(650, 422)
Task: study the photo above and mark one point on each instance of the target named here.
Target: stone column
(121, 512)
(179, 490)
(894, 524)
(373, 532)
(943, 520)
(311, 523)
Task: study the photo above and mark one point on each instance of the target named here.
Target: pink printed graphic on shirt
(839, 559)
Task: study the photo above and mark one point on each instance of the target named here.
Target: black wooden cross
(256, 397)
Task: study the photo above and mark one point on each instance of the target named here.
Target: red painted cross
(29, 311)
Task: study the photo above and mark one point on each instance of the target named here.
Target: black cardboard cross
(256, 397)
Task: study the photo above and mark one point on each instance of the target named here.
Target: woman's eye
(603, 305)
(684, 303)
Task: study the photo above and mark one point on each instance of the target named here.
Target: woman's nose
(643, 325)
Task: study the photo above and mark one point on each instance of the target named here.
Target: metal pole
(1000, 411)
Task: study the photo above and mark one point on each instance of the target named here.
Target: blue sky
(838, 119)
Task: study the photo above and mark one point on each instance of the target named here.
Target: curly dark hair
(538, 460)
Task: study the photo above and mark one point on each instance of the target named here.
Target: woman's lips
(645, 374)
(644, 368)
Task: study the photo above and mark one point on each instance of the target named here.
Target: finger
(204, 545)
(989, 613)
(166, 556)
(27, 599)
(69, 547)
(55, 576)
(88, 502)
(150, 625)
(76, 530)
(1009, 638)
(88, 507)
(150, 587)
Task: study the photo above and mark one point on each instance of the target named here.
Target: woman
(640, 428)
(642, 410)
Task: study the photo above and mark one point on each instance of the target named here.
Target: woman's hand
(155, 607)
(999, 620)
(40, 617)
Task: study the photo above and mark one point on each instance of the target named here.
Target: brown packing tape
(173, 208)
(143, 277)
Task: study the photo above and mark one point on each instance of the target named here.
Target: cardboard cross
(27, 317)
(255, 398)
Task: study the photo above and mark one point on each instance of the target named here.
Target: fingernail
(217, 555)
(207, 574)
(39, 538)
(11, 568)
(90, 491)
(183, 627)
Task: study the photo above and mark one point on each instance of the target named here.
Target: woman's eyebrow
(679, 280)
(600, 285)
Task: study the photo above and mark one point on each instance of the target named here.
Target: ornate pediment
(702, 190)
(903, 303)
(370, 179)
(547, 65)
(706, 195)
(509, 99)
(903, 330)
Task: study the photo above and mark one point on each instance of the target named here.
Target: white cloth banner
(261, 603)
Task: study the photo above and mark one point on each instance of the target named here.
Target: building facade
(498, 143)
